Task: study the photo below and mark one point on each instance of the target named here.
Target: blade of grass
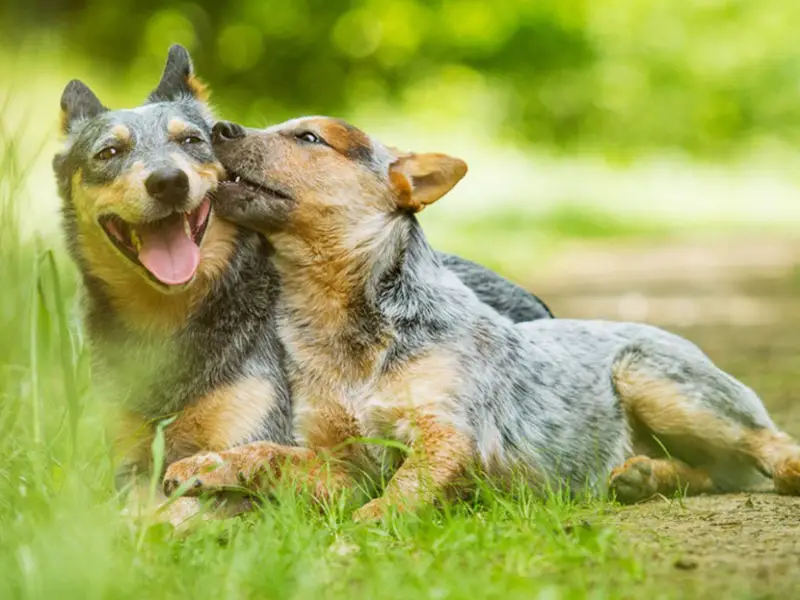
(65, 352)
(36, 407)
(158, 452)
(158, 449)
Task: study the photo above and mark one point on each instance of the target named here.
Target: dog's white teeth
(237, 179)
(135, 240)
(186, 227)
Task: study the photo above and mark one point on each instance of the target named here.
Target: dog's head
(323, 180)
(136, 183)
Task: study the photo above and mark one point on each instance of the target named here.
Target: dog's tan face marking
(176, 127)
(344, 138)
(121, 197)
(122, 133)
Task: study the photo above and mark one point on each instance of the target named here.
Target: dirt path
(740, 301)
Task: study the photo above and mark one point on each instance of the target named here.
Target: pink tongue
(168, 253)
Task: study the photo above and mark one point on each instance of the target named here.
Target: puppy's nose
(168, 186)
(225, 131)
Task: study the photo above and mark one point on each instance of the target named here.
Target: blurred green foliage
(706, 76)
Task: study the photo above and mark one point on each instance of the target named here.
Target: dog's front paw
(252, 467)
(200, 474)
(634, 481)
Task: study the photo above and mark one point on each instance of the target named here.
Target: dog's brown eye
(107, 153)
(308, 136)
(191, 139)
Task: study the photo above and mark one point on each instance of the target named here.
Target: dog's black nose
(169, 186)
(225, 131)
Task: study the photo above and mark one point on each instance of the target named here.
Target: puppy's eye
(191, 139)
(309, 137)
(108, 153)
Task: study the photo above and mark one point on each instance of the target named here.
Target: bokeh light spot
(240, 46)
(168, 27)
(357, 33)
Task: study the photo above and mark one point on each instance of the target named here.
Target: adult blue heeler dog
(384, 341)
(179, 305)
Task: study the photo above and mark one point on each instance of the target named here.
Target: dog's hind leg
(714, 431)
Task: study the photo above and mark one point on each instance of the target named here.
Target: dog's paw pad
(634, 481)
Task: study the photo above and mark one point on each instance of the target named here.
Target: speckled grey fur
(540, 396)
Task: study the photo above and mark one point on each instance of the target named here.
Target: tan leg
(439, 461)
(642, 477)
(659, 406)
(258, 467)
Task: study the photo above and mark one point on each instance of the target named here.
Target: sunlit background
(602, 122)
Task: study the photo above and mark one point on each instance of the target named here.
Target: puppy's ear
(421, 179)
(178, 80)
(78, 103)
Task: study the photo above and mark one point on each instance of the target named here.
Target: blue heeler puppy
(383, 341)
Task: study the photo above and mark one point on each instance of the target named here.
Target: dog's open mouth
(168, 249)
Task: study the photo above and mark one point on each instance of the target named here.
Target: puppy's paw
(202, 473)
(251, 467)
(634, 481)
(787, 477)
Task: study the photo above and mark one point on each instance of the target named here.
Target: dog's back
(508, 299)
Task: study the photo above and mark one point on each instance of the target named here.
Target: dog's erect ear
(421, 179)
(78, 102)
(178, 79)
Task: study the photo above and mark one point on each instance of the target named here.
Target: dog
(383, 341)
(178, 304)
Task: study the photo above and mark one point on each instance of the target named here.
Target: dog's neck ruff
(339, 286)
